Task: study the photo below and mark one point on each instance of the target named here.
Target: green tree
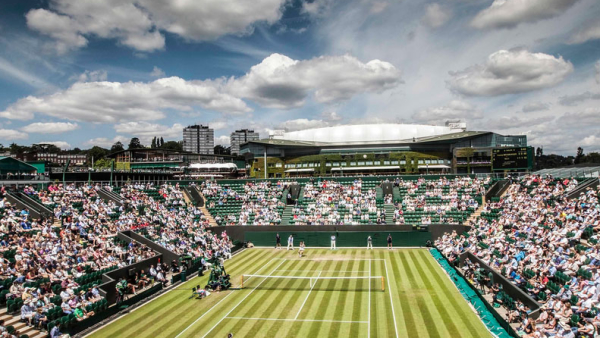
(221, 150)
(102, 163)
(96, 153)
(591, 158)
(135, 143)
(173, 145)
(579, 155)
(162, 142)
(153, 144)
(118, 146)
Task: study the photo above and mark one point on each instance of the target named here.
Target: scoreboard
(512, 158)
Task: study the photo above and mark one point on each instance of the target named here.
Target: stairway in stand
(188, 202)
(474, 215)
(286, 216)
(211, 219)
(396, 194)
(389, 213)
(20, 327)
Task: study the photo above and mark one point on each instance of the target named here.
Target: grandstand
(127, 243)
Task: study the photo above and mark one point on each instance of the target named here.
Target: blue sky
(82, 73)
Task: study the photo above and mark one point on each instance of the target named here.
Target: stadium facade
(377, 149)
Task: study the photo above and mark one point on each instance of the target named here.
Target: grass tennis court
(418, 299)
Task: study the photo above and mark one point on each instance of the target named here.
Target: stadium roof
(369, 133)
(427, 139)
(12, 165)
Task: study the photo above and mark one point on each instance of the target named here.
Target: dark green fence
(343, 238)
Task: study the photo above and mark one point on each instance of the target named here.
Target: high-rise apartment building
(240, 137)
(199, 139)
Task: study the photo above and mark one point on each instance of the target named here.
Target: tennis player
(301, 249)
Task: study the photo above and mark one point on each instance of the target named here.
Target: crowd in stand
(260, 202)
(333, 203)
(436, 198)
(53, 269)
(545, 244)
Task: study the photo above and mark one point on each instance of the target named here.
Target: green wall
(344, 238)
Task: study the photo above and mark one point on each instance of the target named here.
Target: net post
(382, 284)
(242, 283)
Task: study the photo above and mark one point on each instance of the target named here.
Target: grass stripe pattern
(425, 302)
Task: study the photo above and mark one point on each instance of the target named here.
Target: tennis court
(342, 293)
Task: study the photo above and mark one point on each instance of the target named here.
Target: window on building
(278, 165)
(369, 162)
(403, 162)
(353, 164)
(336, 164)
(386, 162)
(311, 165)
(395, 162)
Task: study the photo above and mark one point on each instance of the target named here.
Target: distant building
(61, 158)
(199, 139)
(240, 137)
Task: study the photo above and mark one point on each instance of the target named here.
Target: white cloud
(317, 8)
(157, 72)
(517, 122)
(511, 13)
(587, 33)
(436, 16)
(223, 140)
(456, 109)
(146, 131)
(61, 28)
(574, 100)
(9, 135)
(301, 124)
(331, 116)
(93, 76)
(21, 75)
(379, 6)
(106, 142)
(535, 106)
(277, 82)
(111, 102)
(139, 24)
(50, 127)
(217, 125)
(585, 118)
(597, 67)
(61, 144)
(591, 141)
(281, 82)
(511, 72)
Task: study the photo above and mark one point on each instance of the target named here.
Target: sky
(79, 73)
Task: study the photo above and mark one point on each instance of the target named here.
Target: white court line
(391, 300)
(305, 299)
(241, 301)
(346, 271)
(369, 312)
(331, 259)
(180, 333)
(298, 320)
